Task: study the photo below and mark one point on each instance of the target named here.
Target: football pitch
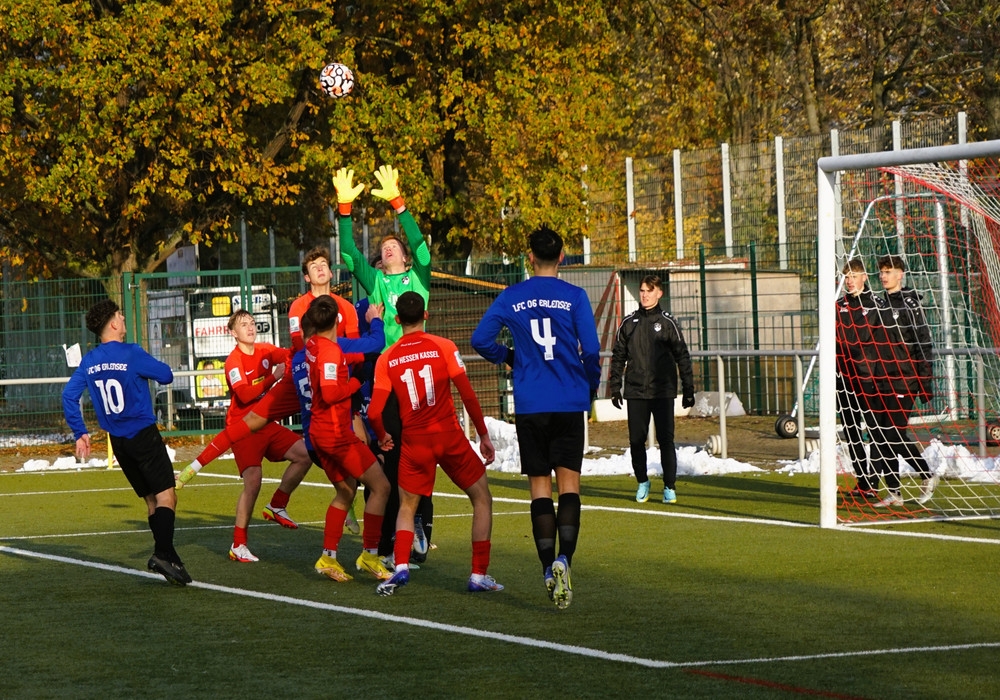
(733, 592)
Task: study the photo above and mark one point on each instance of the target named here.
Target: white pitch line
(500, 636)
(228, 478)
(927, 535)
(846, 654)
(145, 531)
(610, 509)
(370, 614)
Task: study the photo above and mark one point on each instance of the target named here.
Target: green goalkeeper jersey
(383, 288)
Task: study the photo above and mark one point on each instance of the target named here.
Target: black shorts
(550, 440)
(144, 461)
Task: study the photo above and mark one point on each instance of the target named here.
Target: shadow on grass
(734, 496)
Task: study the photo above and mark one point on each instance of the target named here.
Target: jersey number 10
(112, 395)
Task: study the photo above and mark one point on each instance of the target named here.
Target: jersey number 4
(545, 338)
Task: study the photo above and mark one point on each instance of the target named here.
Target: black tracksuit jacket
(650, 351)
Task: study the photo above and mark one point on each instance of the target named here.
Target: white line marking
(846, 654)
(499, 636)
(145, 531)
(610, 509)
(927, 535)
(371, 614)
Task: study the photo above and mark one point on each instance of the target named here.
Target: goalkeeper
(397, 274)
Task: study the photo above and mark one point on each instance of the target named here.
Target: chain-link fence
(731, 231)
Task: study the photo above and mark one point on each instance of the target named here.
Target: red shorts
(272, 441)
(280, 401)
(420, 455)
(344, 459)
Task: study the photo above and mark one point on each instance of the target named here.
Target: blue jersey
(300, 378)
(557, 354)
(373, 340)
(369, 340)
(117, 376)
(363, 398)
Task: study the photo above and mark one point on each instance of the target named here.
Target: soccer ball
(336, 80)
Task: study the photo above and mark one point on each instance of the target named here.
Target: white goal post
(928, 181)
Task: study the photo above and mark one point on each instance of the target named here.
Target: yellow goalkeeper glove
(388, 178)
(185, 476)
(347, 191)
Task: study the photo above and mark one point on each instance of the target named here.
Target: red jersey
(250, 376)
(419, 368)
(331, 388)
(347, 319)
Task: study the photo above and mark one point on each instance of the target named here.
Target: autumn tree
(668, 66)
(969, 59)
(883, 57)
(499, 115)
(127, 129)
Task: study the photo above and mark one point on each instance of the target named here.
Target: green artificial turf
(733, 592)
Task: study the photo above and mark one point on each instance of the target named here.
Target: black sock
(161, 523)
(426, 511)
(543, 527)
(568, 521)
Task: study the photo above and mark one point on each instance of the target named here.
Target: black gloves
(616, 398)
(364, 372)
(510, 358)
(688, 400)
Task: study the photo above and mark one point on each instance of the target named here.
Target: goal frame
(828, 215)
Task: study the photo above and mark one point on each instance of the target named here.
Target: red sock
(239, 536)
(223, 441)
(401, 549)
(373, 530)
(279, 499)
(334, 527)
(480, 556)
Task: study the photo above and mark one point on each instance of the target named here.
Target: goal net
(914, 327)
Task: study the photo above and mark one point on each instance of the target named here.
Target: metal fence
(725, 198)
(184, 325)
(730, 230)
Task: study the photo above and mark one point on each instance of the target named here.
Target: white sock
(196, 466)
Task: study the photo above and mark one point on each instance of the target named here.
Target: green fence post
(131, 305)
(246, 290)
(705, 369)
(755, 315)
